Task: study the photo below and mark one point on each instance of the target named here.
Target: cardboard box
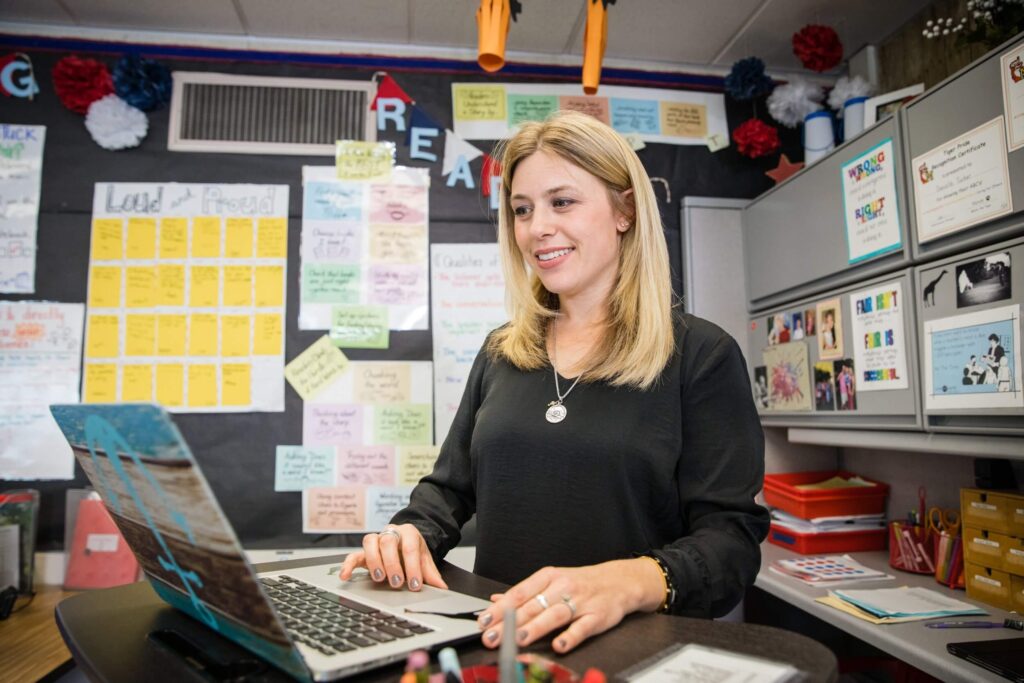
(990, 586)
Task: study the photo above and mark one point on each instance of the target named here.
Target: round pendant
(555, 413)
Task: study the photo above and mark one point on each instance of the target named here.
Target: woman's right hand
(400, 558)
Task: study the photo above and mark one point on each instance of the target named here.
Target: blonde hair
(640, 337)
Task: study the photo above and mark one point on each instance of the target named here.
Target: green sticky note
(359, 327)
(406, 424)
(330, 283)
(530, 108)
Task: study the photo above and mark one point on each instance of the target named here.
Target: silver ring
(539, 597)
(567, 601)
(391, 531)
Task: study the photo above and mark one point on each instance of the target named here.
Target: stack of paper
(896, 605)
(826, 570)
(820, 525)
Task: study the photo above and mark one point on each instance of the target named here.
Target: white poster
(879, 345)
(973, 360)
(364, 243)
(962, 182)
(869, 203)
(467, 296)
(21, 171)
(1011, 69)
(40, 363)
(187, 296)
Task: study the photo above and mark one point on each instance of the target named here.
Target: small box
(831, 542)
(1017, 593)
(1015, 512)
(984, 510)
(1013, 553)
(780, 491)
(990, 586)
(983, 548)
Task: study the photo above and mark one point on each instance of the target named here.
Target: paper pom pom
(747, 80)
(142, 83)
(80, 82)
(817, 47)
(847, 88)
(755, 138)
(115, 124)
(790, 103)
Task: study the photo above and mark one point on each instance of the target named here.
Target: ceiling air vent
(213, 112)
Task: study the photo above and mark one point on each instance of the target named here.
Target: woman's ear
(627, 216)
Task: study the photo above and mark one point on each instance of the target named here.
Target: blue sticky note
(332, 201)
(299, 467)
(635, 116)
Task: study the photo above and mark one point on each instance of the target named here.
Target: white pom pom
(115, 124)
(846, 88)
(790, 103)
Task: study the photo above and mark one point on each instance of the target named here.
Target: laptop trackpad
(429, 599)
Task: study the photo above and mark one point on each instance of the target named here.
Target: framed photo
(880, 105)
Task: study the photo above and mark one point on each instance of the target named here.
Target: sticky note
(415, 462)
(356, 160)
(479, 102)
(139, 334)
(105, 287)
(267, 334)
(530, 108)
(716, 142)
(205, 286)
(381, 382)
(107, 240)
(316, 367)
(137, 383)
(359, 327)
(335, 509)
(330, 283)
(170, 335)
(173, 238)
(140, 287)
(141, 238)
(397, 285)
(206, 236)
(170, 285)
(270, 285)
(382, 502)
(332, 201)
(300, 467)
(332, 423)
(235, 335)
(238, 238)
(684, 120)
(272, 238)
(635, 116)
(236, 384)
(407, 424)
(202, 334)
(398, 243)
(366, 465)
(392, 203)
(102, 337)
(170, 384)
(237, 285)
(100, 383)
(594, 106)
(202, 385)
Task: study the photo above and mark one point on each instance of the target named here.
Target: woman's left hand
(574, 602)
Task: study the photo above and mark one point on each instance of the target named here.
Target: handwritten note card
(315, 368)
(301, 467)
(357, 160)
(360, 327)
(21, 171)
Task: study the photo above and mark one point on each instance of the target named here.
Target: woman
(609, 447)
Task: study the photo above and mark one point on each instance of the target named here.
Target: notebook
(304, 621)
(1004, 657)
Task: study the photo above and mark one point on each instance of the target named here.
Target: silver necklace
(556, 412)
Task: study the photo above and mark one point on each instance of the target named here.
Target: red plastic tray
(814, 544)
(779, 492)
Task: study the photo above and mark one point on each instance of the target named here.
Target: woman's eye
(521, 211)
(561, 203)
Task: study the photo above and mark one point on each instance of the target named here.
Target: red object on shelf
(824, 543)
(780, 492)
(99, 556)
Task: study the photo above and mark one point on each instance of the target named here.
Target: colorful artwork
(789, 386)
(824, 390)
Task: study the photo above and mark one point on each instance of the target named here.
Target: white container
(819, 139)
(853, 117)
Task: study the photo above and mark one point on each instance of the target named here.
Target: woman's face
(565, 226)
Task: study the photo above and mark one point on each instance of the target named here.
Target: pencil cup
(909, 549)
(949, 559)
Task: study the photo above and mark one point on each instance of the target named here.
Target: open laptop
(304, 621)
(1004, 656)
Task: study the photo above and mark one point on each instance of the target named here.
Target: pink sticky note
(332, 423)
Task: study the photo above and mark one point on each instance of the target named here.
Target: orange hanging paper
(594, 39)
(492, 21)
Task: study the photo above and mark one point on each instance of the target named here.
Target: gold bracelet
(669, 590)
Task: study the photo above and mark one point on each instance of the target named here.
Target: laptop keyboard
(330, 623)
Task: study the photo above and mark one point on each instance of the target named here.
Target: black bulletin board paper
(237, 451)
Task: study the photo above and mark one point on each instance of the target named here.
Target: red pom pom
(755, 138)
(80, 82)
(817, 47)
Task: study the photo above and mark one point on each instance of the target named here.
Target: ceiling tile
(541, 27)
(380, 21)
(199, 16)
(44, 11)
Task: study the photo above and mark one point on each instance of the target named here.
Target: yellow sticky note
(415, 462)
(202, 385)
(173, 238)
(139, 334)
(141, 238)
(269, 285)
(236, 384)
(100, 383)
(202, 334)
(479, 102)
(267, 334)
(170, 384)
(234, 335)
(238, 285)
(105, 287)
(140, 286)
(357, 160)
(107, 239)
(137, 383)
(238, 238)
(272, 238)
(170, 285)
(315, 368)
(681, 119)
(206, 236)
(205, 286)
(170, 335)
(102, 337)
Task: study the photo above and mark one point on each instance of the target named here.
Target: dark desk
(106, 632)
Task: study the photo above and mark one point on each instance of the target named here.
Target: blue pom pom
(142, 83)
(747, 80)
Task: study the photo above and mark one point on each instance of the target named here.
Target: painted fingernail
(396, 580)
(414, 584)
(378, 574)
(561, 643)
(485, 620)
(491, 636)
(521, 635)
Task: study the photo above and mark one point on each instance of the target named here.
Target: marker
(968, 624)
(507, 652)
(449, 661)
(593, 675)
(419, 664)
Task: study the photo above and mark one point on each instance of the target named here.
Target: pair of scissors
(944, 520)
